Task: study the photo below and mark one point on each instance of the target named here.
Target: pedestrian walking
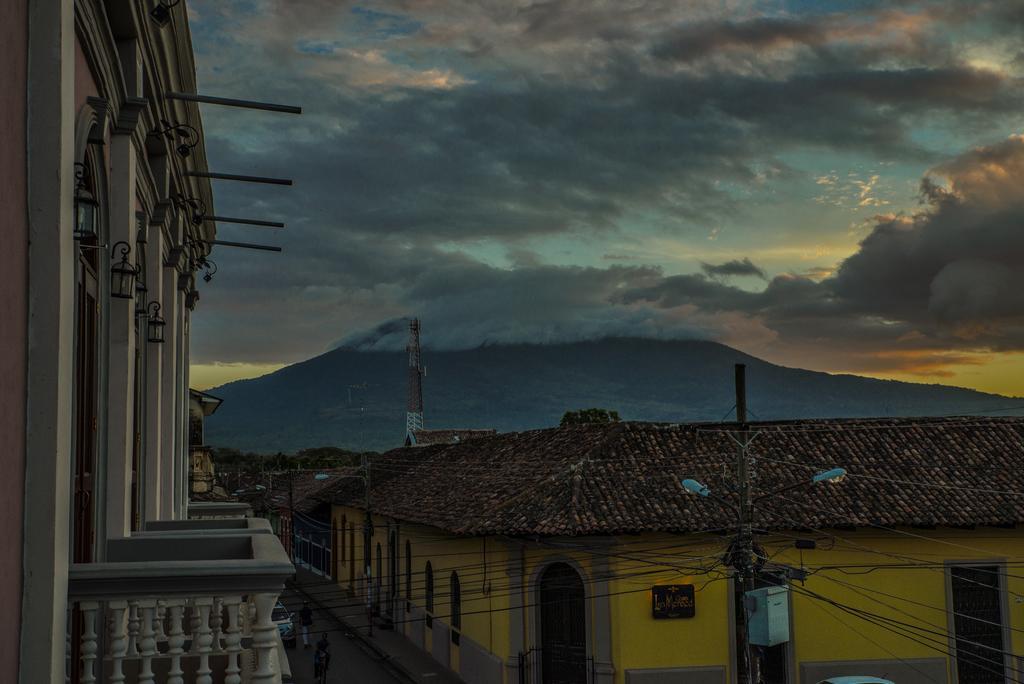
(306, 621)
(321, 660)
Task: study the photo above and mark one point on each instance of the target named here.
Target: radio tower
(414, 403)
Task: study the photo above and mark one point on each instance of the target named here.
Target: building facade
(202, 477)
(574, 554)
(102, 198)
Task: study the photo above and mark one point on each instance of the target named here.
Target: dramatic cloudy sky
(832, 185)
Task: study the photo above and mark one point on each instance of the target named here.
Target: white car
(285, 621)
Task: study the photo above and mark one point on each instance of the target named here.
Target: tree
(590, 415)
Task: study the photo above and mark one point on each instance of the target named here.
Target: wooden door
(86, 410)
(563, 626)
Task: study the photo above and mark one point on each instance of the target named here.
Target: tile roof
(452, 436)
(270, 490)
(625, 477)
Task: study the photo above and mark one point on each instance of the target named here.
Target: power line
(921, 604)
(872, 641)
(915, 632)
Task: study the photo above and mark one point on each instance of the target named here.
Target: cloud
(945, 278)
(736, 267)
(434, 130)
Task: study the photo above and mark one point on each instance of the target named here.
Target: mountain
(356, 399)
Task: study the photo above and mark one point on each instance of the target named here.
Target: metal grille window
(408, 570)
(456, 607)
(563, 626)
(978, 624)
(428, 587)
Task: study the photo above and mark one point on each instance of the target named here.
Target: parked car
(856, 680)
(284, 619)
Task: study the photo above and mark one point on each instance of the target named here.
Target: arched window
(428, 588)
(456, 607)
(408, 570)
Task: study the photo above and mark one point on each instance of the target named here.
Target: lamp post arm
(833, 475)
(780, 490)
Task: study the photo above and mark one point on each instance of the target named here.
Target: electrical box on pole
(767, 616)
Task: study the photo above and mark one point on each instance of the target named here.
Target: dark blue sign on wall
(670, 601)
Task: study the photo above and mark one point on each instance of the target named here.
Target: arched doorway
(563, 626)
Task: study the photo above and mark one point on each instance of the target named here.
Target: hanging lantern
(161, 14)
(122, 274)
(140, 297)
(86, 206)
(156, 323)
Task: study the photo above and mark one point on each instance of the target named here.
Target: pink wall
(85, 84)
(13, 321)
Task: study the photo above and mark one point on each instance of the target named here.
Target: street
(350, 663)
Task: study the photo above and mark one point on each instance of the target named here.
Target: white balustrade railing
(152, 617)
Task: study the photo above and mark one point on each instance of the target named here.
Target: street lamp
(695, 487)
(86, 206)
(161, 14)
(156, 323)
(122, 274)
(197, 206)
(140, 297)
(211, 269)
(187, 136)
(833, 476)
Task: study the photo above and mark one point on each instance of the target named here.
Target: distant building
(574, 554)
(298, 505)
(200, 405)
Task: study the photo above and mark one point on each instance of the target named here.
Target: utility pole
(744, 563)
(743, 551)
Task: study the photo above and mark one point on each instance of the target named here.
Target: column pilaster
(121, 347)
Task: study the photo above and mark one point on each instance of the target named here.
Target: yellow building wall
(479, 563)
(898, 576)
(640, 641)
(912, 589)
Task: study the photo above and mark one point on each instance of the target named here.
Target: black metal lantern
(122, 274)
(156, 323)
(194, 205)
(211, 269)
(86, 206)
(162, 12)
(183, 137)
(140, 297)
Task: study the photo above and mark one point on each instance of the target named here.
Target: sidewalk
(392, 647)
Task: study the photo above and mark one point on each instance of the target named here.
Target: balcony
(217, 510)
(207, 526)
(182, 601)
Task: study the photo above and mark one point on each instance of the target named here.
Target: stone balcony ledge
(184, 564)
(206, 527)
(219, 509)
